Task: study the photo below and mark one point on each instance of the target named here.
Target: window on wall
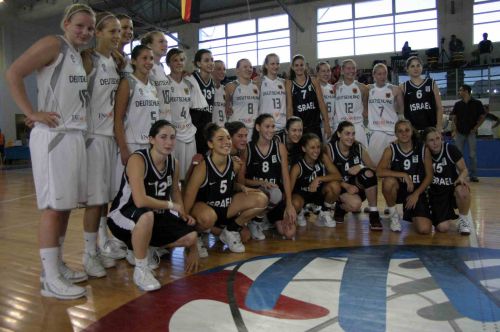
(172, 43)
(376, 27)
(252, 39)
(486, 19)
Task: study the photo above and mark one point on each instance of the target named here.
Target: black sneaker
(375, 224)
(339, 214)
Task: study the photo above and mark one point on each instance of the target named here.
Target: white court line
(473, 234)
(15, 199)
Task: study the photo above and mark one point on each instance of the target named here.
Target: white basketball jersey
(348, 103)
(180, 103)
(103, 82)
(219, 113)
(382, 114)
(127, 70)
(329, 98)
(245, 104)
(273, 100)
(159, 79)
(143, 111)
(62, 88)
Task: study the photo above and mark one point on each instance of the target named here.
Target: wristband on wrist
(170, 205)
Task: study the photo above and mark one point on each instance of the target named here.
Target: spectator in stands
(485, 48)
(455, 45)
(468, 115)
(406, 50)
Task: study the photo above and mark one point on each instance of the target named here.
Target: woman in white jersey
(57, 143)
(103, 80)
(385, 102)
(272, 91)
(351, 100)
(136, 108)
(126, 37)
(219, 112)
(242, 96)
(158, 43)
(324, 74)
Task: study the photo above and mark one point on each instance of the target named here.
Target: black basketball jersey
(343, 163)
(411, 162)
(208, 90)
(157, 184)
(305, 103)
(420, 104)
(445, 169)
(264, 167)
(307, 175)
(217, 189)
(294, 151)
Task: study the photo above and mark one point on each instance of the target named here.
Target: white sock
(90, 243)
(392, 209)
(329, 205)
(60, 253)
(141, 262)
(373, 209)
(50, 259)
(103, 231)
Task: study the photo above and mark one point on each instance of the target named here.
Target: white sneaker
(153, 258)
(232, 240)
(301, 219)
(256, 230)
(202, 250)
(93, 266)
(325, 220)
(464, 226)
(62, 289)
(395, 223)
(266, 225)
(145, 280)
(72, 275)
(106, 261)
(113, 248)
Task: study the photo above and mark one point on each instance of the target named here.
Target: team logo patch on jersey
(354, 90)
(427, 89)
(141, 92)
(331, 92)
(72, 57)
(255, 91)
(186, 91)
(172, 89)
(280, 86)
(388, 95)
(104, 68)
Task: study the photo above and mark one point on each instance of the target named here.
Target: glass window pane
(335, 48)
(375, 44)
(273, 23)
(371, 31)
(274, 35)
(411, 5)
(373, 21)
(486, 7)
(232, 58)
(214, 32)
(335, 26)
(415, 26)
(241, 40)
(412, 17)
(373, 8)
(417, 39)
(282, 52)
(172, 42)
(218, 50)
(493, 30)
(487, 17)
(242, 47)
(335, 35)
(334, 13)
(274, 43)
(241, 28)
(213, 43)
(221, 57)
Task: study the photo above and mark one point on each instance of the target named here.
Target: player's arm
(87, 60)
(242, 171)
(439, 107)
(398, 100)
(384, 166)
(364, 99)
(322, 107)
(176, 193)
(367, 160)
(429, 173)
(463, 173)
(294, 174)
(229, 89)
(120, 109)
(289, 102)
(333, 173)
(195, 181)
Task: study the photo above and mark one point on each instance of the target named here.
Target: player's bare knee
(147, 219)
(443, 227)
(462, 192)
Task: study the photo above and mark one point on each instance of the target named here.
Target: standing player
(324, 75)
(272, 91)
(204, 61)
(358, 173)
(422, 102)
(385, 102)
(158, 43)
(351, 100)
(290, 138)
(211, 193)
(57, 143)
(242, 96)
(406, 169)
(149, 209)
(127, 26)
(101, 147)
(219, 111)
(305, 100)
(266, 168)
(449, 189)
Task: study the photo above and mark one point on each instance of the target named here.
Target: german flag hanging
(190, 11)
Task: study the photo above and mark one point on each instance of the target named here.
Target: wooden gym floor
(22, 308)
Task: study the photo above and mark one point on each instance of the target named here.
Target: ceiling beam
(294, 20)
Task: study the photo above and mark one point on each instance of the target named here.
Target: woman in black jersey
(214, 197)
(266, 168)
(315, 180)
(290, 137)
(148, 209)
(239, 137)
(406, 172)
(449, 189)
(358, 173)
(304, 99)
